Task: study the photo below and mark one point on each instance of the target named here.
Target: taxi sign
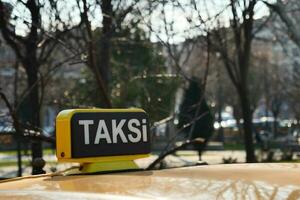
(102, 135)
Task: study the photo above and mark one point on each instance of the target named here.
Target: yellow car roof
(236, 181)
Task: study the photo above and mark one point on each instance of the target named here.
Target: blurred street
(182, 158)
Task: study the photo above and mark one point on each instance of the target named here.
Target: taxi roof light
(102, 139)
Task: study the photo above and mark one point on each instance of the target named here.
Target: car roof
(239, 181)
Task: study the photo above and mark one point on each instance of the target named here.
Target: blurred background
(225, 71)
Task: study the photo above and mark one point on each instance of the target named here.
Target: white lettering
(100, 134)
(134, 130)
(86, 124)
(117, 130)
(144, 127)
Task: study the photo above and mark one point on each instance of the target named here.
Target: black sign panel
(96, 134)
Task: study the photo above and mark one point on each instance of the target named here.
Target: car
(232, 181)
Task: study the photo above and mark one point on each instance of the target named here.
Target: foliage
(138, 77)
(190, 111)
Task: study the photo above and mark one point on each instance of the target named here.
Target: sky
(179, 30)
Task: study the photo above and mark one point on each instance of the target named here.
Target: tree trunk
(18, 132)
(247, 125)
(92, 59)
(105, 42)
(30, 66)
(220, 130)
(237, 117)
(275, 129)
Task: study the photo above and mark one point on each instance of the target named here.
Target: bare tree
(108, 29)
(98, 47)
(288, 11)
(26, 51)
(234, 46)
(293, 93)
(33, 50)
(99, 73)
(18, 130)
(178, 54)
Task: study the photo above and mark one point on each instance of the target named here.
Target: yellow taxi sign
(102, 135)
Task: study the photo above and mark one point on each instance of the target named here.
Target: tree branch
(182, 146)
(281, 11)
